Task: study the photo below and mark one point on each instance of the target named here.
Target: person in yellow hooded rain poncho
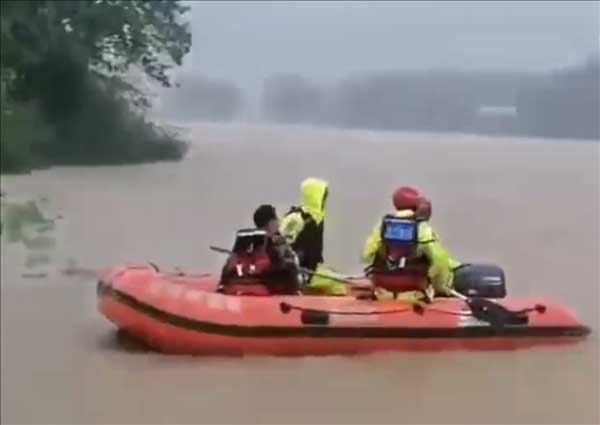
(420, 252)
(303, 227)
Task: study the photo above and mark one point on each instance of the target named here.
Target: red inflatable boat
(179, 313)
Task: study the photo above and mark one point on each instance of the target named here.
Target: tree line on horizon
(561, 104)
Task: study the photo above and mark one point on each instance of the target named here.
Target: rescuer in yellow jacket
(303, 227)
(412, 206)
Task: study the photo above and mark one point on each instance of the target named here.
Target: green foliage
(118, 136)
(69, 58)
(108, 36)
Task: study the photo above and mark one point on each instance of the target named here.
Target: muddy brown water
(530, 205)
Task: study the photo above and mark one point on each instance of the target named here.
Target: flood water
(531, 206)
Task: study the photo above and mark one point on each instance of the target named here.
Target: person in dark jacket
(272, 261)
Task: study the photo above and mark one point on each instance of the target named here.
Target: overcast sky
(245, 41)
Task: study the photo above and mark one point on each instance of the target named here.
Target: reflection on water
(30, 233)
(494, 200)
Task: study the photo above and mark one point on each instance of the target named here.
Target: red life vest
(400, 239)
(248, 263)
(399, 267)
(249, 257)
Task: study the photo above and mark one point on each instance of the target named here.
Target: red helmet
(409, 198)
(423, 211)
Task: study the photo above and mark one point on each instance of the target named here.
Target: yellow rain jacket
(303, 227)
(313, 192)
(442, 264)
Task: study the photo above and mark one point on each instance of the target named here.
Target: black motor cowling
(480, 280)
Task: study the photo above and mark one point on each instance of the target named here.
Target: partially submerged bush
(23, 134)
(103, 130)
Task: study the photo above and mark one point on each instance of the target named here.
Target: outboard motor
(480, 280)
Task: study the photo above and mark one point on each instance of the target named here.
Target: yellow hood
(313, 197)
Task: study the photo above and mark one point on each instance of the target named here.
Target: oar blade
(495, 314)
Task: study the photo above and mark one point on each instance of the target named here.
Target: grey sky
(245, 41)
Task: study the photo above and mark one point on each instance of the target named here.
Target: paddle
(301, 269)
(220, 250)
(495, 314)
